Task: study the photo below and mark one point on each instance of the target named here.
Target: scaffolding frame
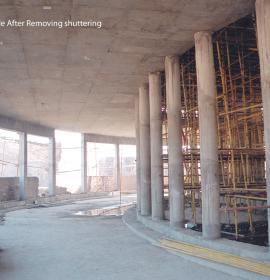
(240, 125)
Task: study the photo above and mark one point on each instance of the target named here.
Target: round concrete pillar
(138, 168)
(156, 146)
(263, 31)
(175, 160)
(145, 159)
(206, 83)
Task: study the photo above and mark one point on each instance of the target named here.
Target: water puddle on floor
(2, 219)
(115, 210)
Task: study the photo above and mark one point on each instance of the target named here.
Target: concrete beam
(156, 146)
(96, 138)
(263, 23)
(206, 81)
(26, 127)
(175, 156)
(145, 159)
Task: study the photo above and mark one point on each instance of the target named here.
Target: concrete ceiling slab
(85, 79)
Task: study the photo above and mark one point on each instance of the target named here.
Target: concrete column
(175, 156)
(145, 151)
(156, 146)
(117, 168)
(263, 32)
(83, 164)
(138, 173)
(22, 165)
(206, 82)
(52, 166)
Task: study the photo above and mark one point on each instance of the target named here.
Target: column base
(157, 219)
(177, 225)
(211, 232)
(145, 214)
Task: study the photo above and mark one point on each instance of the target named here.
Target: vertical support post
(117, 167)
(145, 151)
(138, 173)
(175, 162)
(23, 165)
(206, 81)
(52, 166)
(83, 164)
(263, 31)
(156, 146)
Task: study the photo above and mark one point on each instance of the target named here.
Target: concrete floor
(52, 243)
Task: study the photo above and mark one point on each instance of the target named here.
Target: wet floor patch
(115, 210)
(2, 218)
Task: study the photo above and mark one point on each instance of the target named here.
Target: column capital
(171, 57)
(171, 60)
(202, 34)
(143, 87)
(154, 73)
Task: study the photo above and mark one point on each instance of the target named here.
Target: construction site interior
(243, 201)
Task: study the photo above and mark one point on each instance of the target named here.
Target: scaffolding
(240, 131)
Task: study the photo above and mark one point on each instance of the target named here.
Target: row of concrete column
(23, 165)
(149, 132)
(52, 165)
(149, 146)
